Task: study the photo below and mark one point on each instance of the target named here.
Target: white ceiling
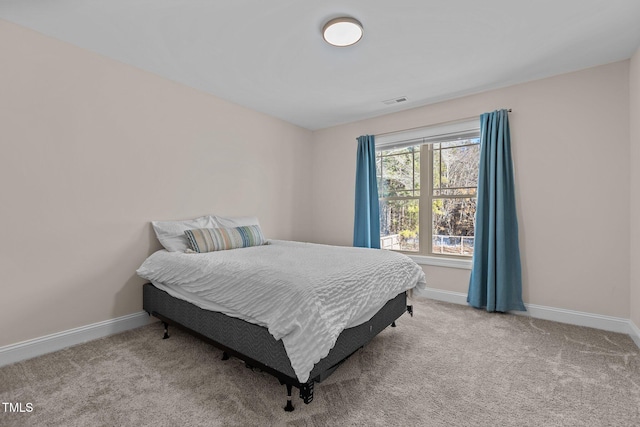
(269, 55)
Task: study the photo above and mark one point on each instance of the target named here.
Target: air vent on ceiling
(395, 100)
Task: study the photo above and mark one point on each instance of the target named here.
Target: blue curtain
(496, 276)
(366, 230)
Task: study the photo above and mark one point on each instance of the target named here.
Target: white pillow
(237, 221)
(171, 233)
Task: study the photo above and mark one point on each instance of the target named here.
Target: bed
(294, 310)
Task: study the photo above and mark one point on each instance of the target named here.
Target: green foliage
(407, 234)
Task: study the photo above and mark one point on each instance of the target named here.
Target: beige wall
(570, 140)
(91, 150)
(634, 115)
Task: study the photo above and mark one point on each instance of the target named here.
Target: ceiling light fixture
(342, 31)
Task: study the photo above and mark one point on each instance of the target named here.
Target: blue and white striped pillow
(220, 239)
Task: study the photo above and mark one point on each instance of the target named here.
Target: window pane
(399, 174)
(459, 142)
(455, 168)
(453, 226)
(403, 150)
(399, 224)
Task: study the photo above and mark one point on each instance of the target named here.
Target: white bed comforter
(305, 294)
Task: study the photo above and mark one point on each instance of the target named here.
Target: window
(427, 187)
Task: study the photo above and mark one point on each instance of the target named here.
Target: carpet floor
(449, 365)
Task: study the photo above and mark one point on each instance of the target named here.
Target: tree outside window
(448, 169)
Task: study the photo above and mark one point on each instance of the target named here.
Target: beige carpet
(447, 366)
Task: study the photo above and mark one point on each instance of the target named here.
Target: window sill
(464, 264)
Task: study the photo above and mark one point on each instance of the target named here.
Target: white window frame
(461, 129)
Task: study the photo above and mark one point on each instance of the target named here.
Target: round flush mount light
(342, 31)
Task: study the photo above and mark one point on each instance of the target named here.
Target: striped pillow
(220, 239)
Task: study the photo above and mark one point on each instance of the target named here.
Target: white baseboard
(446, 296)
(579, 318)
(635, 333)
(38, 346)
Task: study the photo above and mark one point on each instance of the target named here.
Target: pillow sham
(220, 239)
(171, 233)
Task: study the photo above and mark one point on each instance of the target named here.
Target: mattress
(255, 343)
(304, 294)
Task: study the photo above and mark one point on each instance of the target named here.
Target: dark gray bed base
(256, 346)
